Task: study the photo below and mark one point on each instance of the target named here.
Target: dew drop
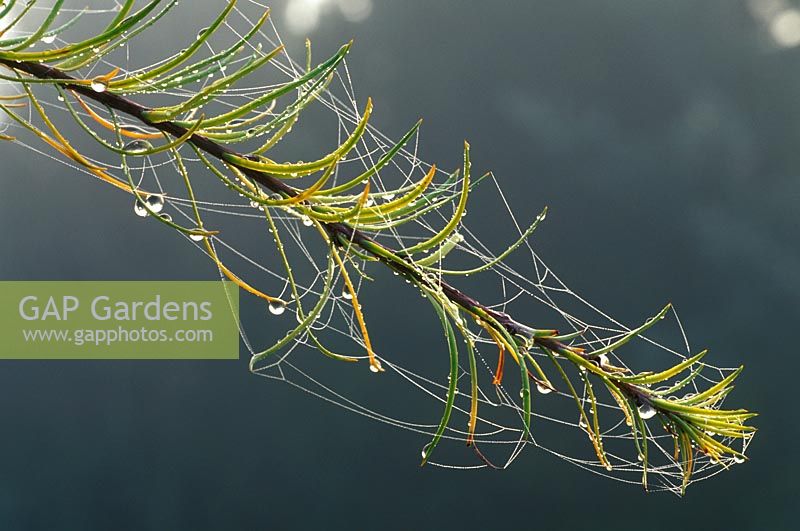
(738, 459)
(602, 359)
(647, 411)
(201, 33)
(543, 389)
(166, 217)
(196, 237)
(99, 85)
(307, 221)
(376, 366)
(155, 202)
(424, 452)
(277, 307)
(138, 146)
(609, 467)
(346, 294)
(139, 209)
(49, 39)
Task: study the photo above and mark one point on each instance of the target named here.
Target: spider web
(531, 292)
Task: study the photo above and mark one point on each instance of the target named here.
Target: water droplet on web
(138, 146)
(543, 389)
(49, 39)
(277, 307)
(647, 411)
(346, 294)
(609, 467)
(738, 459)
(99, 85)
(307, 221)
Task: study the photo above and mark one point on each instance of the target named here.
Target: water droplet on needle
(138, 146)
(277, 307)
(139, 209)
(99, 85)
(155, 202)
(647, 411)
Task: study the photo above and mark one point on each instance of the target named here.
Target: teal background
(664, 137)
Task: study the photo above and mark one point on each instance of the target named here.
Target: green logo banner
(119, 320)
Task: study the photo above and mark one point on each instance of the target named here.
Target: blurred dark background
(664, 137)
